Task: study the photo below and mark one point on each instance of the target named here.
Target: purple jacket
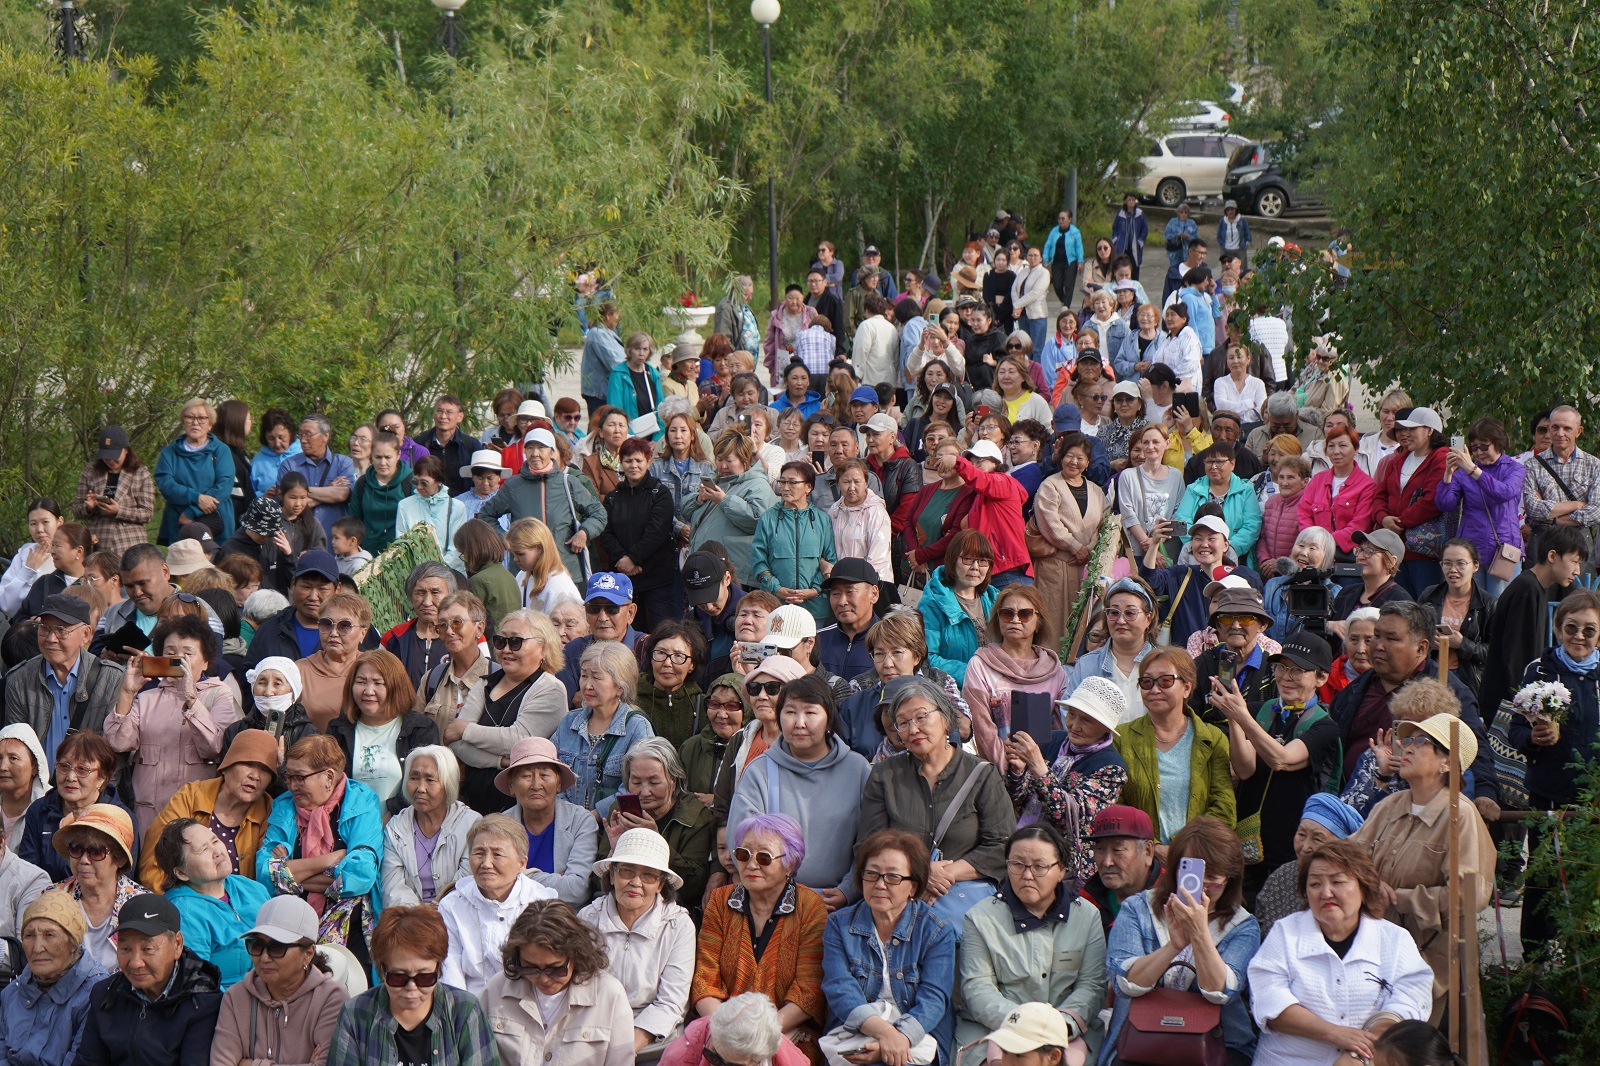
(411, 451)
(1497, 493)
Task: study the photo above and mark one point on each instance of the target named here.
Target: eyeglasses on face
(756, 688)
(762, 858)
(725, 706)
(791, 482)
(1132, 614)
(399, 979)
(916, 723)
(549, 973)
(1015, 614)
(501, 643)
(872, 877)
(96, 852)
(1030, 869)
(624, 872)
(1237, 619)
(602, 607)
(455, 625)
(1421, 740)
(300, 779)
(1165, 681)
(342, 626)
(661, 655)
(48, 632)
(972, 560)
(257, 945)
(72, 770)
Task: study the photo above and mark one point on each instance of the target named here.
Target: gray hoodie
(824, 797)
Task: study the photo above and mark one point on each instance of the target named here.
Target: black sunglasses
(597, 606)
(755, 688)
(399, 979)
(550, 973)
(256, 945)
(514, 643)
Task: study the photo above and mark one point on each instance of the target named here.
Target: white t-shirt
(1409, 466)
(376, 764)
(1246, 400)
(558, 588)
(1338, 486)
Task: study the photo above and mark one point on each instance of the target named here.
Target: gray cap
(1231, 203)
(1384, 540)
(286, 920)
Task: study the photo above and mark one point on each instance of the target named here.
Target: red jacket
(1345, 516)
(954, 521)
(1414, 504)
(997, 513)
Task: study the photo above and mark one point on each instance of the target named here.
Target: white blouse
(1382, 971)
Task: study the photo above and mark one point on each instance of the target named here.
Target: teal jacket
(732, 523)
(1240, 508)
(953, 639)
(359, 831)
(184, 476)
(787, 552)
(376, 505)
(215, 929)
(621, 393)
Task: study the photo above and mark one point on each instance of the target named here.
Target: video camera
(1305, 592)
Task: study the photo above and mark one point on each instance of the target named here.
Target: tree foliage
(289, 227)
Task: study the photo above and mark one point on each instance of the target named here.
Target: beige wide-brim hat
(184, 557)
(641, 847)
(105, 820)
(1438, 728)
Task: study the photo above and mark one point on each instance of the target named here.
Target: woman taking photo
(412, 1016)
(1177, 764)
(1067, 511)
(342, 624)
(116, 495)
(1407, 494)
(98, 845)
(957, 602)
(1036, 915)
(195, 476)
(1342, 498)
(541, 576)
(1378, 554)
(1485, 485)
(1086, 776)
(520, 697)
(792, 551)
(890, 942)
(1019, 657)
(728, 509)
(323, 841)
(766, 906)
(653, 772)
(425, 844)
(1406, 836)
(681, 464)
(377, 728)
(649, 939)
(286, 1008)
(1463, 608)
(173, 730)
(562, 836)
(216, 905)
(1334, 977)
(639, 536)
(44, 1010)
(32, 561)
(85, 764)
(1214, 934)
(1016, 390)
(480, 910)
(555, 962)
(918, 793)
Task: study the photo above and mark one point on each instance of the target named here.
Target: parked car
(1184, 166)
(1201, 115)
(1256, 181)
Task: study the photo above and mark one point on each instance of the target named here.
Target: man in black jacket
(160, 1007)
(292, 632)
(822, 300)
(446, 441)
(1519, 626)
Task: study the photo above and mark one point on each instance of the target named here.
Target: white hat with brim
(1213, 523)
(1437, 729)
(184, 557)
(1100, 699)
(641, 847)
(485, 459)
(530, 409)
(986, 449)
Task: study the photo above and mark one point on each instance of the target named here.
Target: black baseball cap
(149, 914)
(66, 608)
(113, 439)
(317, 562)
(1307, 651)
(702, 578)
(851, 571)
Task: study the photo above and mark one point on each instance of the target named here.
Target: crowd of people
(738, 720)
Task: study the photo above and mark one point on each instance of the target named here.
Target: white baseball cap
(789, 625)
(986, 449)
(1213, 523)
(882, 423)
(1422, 418)
(540, 436)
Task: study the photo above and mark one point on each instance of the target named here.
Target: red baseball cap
(1122, 821)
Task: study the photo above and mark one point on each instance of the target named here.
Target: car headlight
(1248, 174)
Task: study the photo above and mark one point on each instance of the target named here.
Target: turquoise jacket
(360, 833)
(377, 505)
(1240, 508)
(732, 523)
(215, 929)
(787, 552)
(183, 477)
(953, 639)
(620, 391)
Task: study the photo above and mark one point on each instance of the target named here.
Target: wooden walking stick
(1453, 944)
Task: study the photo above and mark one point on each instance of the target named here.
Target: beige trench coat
(1062, 528)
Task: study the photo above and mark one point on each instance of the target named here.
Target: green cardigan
(1210, 784)
(498, 590)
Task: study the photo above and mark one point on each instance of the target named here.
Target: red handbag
(1169, 1027)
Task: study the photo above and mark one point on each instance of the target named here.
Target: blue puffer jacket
(921, 964)
(953, 638)
(359, 832)
(183, 477)
(215, 928)
(42, 1026)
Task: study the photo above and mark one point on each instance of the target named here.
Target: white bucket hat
(1100, 699)
(641, 847)
(485, 459)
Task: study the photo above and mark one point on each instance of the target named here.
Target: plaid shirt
(1581, 474)
(814, 347)
(460, 1030)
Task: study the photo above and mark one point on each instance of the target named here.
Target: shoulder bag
(1507, 558)
(1172, 1027)
(956, 803)
(1429, 538)
(1164, 634)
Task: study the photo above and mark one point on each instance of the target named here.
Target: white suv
(1186, 165)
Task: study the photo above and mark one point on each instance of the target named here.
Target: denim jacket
(1137, 933)
(573, 747)
(922, 970)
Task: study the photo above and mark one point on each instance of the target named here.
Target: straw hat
(107, 819)
(641, 847)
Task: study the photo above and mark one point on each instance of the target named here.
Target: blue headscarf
(1333, 814)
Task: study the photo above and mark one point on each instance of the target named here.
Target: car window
(1153, 150)
(1188, 147)
(1213, 147)
(1243, 156)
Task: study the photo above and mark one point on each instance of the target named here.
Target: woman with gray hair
(416, 641)
(1313, 549)
(258, 608)
(594, 739)
(481, 910)
(744, 1031)
(955, 801)
(425, 845)
(653, 774)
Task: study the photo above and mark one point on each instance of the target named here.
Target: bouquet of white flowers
(1547, 701)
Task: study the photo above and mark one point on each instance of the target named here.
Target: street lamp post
(68, 40)
(766, 13)
(447, 28)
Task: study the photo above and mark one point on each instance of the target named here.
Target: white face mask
(273, 704)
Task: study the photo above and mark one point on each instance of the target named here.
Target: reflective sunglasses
(763, 858)
(399, 979)
(1237, 619)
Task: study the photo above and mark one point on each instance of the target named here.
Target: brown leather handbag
(1169, 1027)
